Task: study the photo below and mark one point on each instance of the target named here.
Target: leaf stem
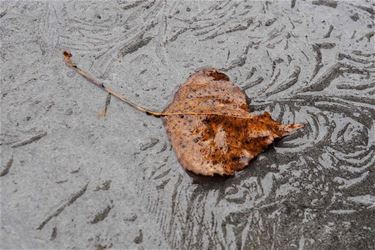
(90, 78)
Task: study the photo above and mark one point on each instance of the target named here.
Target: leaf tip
(290, 128)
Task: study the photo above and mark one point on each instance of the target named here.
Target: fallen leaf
(209, 123)
(222, 136)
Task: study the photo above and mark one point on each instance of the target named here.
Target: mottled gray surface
(78, 181)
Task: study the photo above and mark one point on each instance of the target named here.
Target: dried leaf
(225, 137)
(209, 123)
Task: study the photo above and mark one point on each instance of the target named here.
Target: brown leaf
(209, 123)
(217, 134)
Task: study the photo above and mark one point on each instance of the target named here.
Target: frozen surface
(72, 180)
